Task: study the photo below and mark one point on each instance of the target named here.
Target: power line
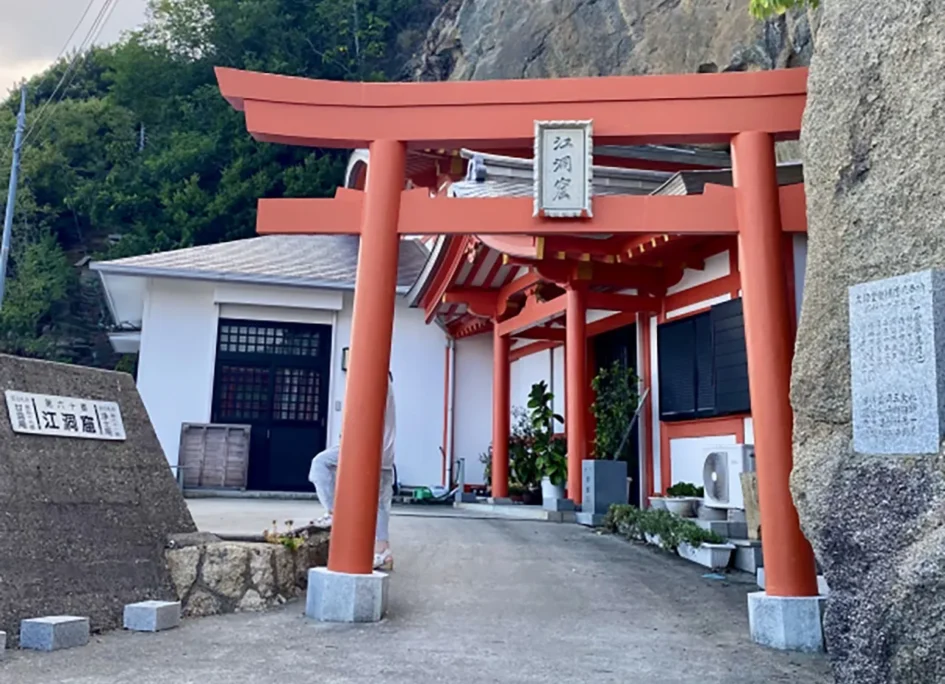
(95, 30)
(65, 46)
(74, 30)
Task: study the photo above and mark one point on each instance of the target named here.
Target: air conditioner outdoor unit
(721, 474)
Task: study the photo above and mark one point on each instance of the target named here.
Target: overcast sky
(32, 32)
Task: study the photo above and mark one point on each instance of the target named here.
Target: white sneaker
(324, 521)
(384, 561)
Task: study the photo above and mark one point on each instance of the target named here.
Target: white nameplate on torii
(563, 175)
(43, 414)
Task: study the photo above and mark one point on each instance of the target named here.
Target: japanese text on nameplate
(43, 414)
(562, 169)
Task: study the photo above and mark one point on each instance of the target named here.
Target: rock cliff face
(490, 39)
(873, 165)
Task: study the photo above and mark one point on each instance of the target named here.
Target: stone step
(724, 528)
(748, 555)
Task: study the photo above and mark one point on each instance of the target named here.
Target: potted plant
(671, 533)
(682, 498)
(615, 404)
(657, 502)
(523, 462)
(550, 453)
(524, 476)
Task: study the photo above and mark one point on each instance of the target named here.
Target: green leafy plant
(762, 9)
(523, 464)
(685, 489)
(616, 400)
(550, 452)
(288, 539)
(671, 530)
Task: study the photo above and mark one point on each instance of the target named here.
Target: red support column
(789, 560)
(576, 396)
(501, 412)
(591, 398)
(359, 467)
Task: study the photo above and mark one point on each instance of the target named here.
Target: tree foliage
(762, 9)
(140, 153)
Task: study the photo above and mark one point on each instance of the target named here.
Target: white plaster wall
(178, 352)
(557, 364)
(800, 269)
(749, 431)
(716, 266)
(418, 362)
(525, 373)
(687, 456)
(176, 359)
(473, 407)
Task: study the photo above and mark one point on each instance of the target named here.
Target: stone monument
(868, 484)
(87, 500)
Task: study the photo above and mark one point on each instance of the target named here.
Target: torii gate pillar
(349, 590)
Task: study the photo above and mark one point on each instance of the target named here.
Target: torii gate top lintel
(501, 114)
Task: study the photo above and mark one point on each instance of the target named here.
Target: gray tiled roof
(327, 261)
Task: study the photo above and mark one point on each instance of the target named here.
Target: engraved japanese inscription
(563, 155)
(42, 414)
(896, 364)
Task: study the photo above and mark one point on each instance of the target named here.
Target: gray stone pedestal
(787, 623)
(560, 505)
(589, 519)
(605, 484)
(340, 597)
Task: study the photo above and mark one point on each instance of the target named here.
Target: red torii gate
(748, 110)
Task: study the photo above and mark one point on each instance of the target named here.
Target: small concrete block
(54, 633)
(557, 504)
(3, 644)
(152, 616)
(500, 501)
(787, 623)
(590, 519)
(341, 597)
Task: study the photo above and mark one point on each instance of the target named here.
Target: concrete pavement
(471, 601)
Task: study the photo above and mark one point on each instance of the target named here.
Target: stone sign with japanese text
(42, 414)
(563, 169)
(87, 499)
(897, 352)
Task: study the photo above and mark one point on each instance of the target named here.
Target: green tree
(762, 9)
(137, 152)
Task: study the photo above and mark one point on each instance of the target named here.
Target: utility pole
(11, 196)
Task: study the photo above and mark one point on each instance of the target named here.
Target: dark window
(703, 369)
(243, 393)
(730, 358)
(298, 393)
(249, 338)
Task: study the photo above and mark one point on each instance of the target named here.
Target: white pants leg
(322, 475)
(385, 496)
